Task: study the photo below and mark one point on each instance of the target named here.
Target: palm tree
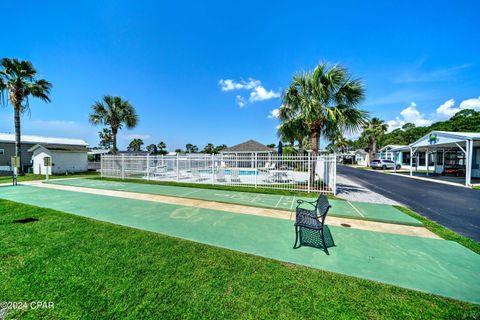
(135, 145)
(105, 138)
(292, 128)
(327, 99)
(372, 131)
(162, 148)
(209, 148)
(114, 112)
(152, 149)
(18, 81)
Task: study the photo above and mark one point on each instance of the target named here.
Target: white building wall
(62, 162)
(69, 161)
(38, 167)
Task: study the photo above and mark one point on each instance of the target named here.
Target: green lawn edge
(93, 269)
(443, 232)
(36, 177)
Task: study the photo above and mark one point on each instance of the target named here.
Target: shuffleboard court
(434, 266)
(340, 208)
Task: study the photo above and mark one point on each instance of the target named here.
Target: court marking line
(278, 202)
(293, 201)
(189, 193)
(254, 199)
(356, 209)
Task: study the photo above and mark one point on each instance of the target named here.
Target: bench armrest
(312, 203)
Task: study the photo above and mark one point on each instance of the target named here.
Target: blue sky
(169, 58)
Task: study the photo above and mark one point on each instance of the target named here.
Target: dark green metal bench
(310, 228)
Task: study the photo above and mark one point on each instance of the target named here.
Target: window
(2, 151)
(421, 158)
(440, 158)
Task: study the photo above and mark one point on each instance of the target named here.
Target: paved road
(456, 208)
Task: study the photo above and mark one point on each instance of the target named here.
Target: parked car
(384, 164)
(454, 170)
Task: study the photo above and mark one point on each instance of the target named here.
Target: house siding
(9, 152)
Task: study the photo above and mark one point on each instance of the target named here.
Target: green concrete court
(340, 208)
(429, 265)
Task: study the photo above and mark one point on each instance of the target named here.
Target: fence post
(309, 168)
(123, 166)
(101, 165)
(148, 166)
(178, 170)
(256, 169)
(334, 176)
(213, 168)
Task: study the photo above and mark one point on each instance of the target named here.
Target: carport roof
(435, 138)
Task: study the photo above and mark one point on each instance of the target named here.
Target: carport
(448, 153)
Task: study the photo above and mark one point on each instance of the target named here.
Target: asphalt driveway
(456, 208)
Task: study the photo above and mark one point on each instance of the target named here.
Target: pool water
(229, 172)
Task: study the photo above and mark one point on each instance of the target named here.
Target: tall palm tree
(135, 145)
(372, 131)
(18, 81)
(327, 99)
(115, 113)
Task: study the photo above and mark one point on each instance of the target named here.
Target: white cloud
(240, 101)
(444, 112)
(229, 85)
(257, 90)
(447, 109)
(409, 115)
(260, 94)
(412, 115)
(274, 114)
(473, 103)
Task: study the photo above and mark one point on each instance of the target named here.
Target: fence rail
(296, 173)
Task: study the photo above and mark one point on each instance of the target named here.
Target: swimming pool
(229, 172)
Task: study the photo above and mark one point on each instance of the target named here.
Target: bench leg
(296, 238)
(323, 241)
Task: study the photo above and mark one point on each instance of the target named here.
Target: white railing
(94, 165)
(296, 173)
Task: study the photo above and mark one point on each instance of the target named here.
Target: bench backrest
(322, 206)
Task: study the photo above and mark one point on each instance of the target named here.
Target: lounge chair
(197, 176)
(234, 176)
(220, 175)
(310, 228)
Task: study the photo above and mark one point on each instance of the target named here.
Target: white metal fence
(296, 173)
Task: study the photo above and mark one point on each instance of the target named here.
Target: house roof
(360, 151)
(392, 146)
(58, 147)
(8, 137)
(248, 146)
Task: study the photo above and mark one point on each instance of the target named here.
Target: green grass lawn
(96, 270)
(32, 177)
(443, 232)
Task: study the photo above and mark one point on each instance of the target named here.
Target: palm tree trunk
(315, 145)
(300, 147)
(114, 141)
(18, 144)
